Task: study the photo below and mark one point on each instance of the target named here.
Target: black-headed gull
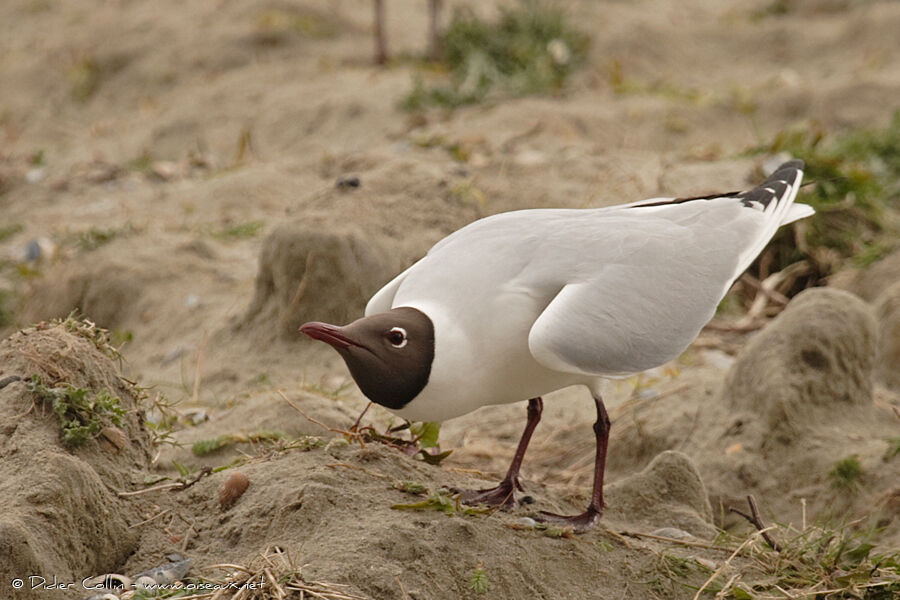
(519, 304)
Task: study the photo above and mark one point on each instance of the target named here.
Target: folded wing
(645, 307)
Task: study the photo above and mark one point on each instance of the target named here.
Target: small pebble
(233, 488)
(347, 182)
(35, 175)
(196, 415)
(672, 532)
(559, 51)
(173, 355)
(39, 248)
(718, 359)
(191, 301)
(526, 521)
(115, 436)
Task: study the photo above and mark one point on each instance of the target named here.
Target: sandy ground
(209, 138)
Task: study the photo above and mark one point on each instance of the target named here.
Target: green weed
(95, 237)
(274, 26)
(531, 49)
(846, 473)
(409, 487)
(84, 78)
(8, 302)
(88, 330)
(855, 182)
(8, 231)
(818, 558)
(426, 433)
(82, 413)
(442, 501)
(159, 415)
(893, 448)
(240, 231)
(478, 580)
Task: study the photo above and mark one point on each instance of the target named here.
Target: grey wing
(645, 307)
(628, 319)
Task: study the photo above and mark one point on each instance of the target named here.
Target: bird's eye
(397, 337)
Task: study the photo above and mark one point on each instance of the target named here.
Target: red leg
(591, 516)
(505, 494)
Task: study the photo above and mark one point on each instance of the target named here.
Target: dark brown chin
(330, 334)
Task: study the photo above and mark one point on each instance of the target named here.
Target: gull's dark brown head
(388, 354)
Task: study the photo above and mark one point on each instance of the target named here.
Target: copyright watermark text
(38, 582)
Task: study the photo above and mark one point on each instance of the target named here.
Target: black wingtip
(786, 168)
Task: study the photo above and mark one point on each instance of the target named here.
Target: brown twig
(145, 521)
(359, 418)
(675, 541)
(350, 434)
(402, 590)
(197, 372)
(175, 485)
(756, 520)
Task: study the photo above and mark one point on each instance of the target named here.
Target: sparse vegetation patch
(854, 183)
(846, 473)
(530, 49)
(82, 413)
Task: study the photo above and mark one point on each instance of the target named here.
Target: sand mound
(60, 515)
(668, 493)
(308, 273)
(107, 292)
(794, 420)
(887, 311)
(871, 281)
(331, 505)
(811, 365)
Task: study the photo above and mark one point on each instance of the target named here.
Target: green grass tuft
(426, 433)
(241, 231)
(846, 562)
(8, 231)
(442, 501)
(478, 580)
(409, 487)
(893, 448)
(84, 78)
(853, 182)
(531, 49)
(8, 302)
(846, 473)
(95, 237)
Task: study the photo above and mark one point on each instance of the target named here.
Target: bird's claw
(503, 496)
(579, 523)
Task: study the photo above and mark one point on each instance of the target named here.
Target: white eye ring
(402, 332)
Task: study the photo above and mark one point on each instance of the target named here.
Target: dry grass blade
(274, 576)
(660, 538)
(725, 564)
